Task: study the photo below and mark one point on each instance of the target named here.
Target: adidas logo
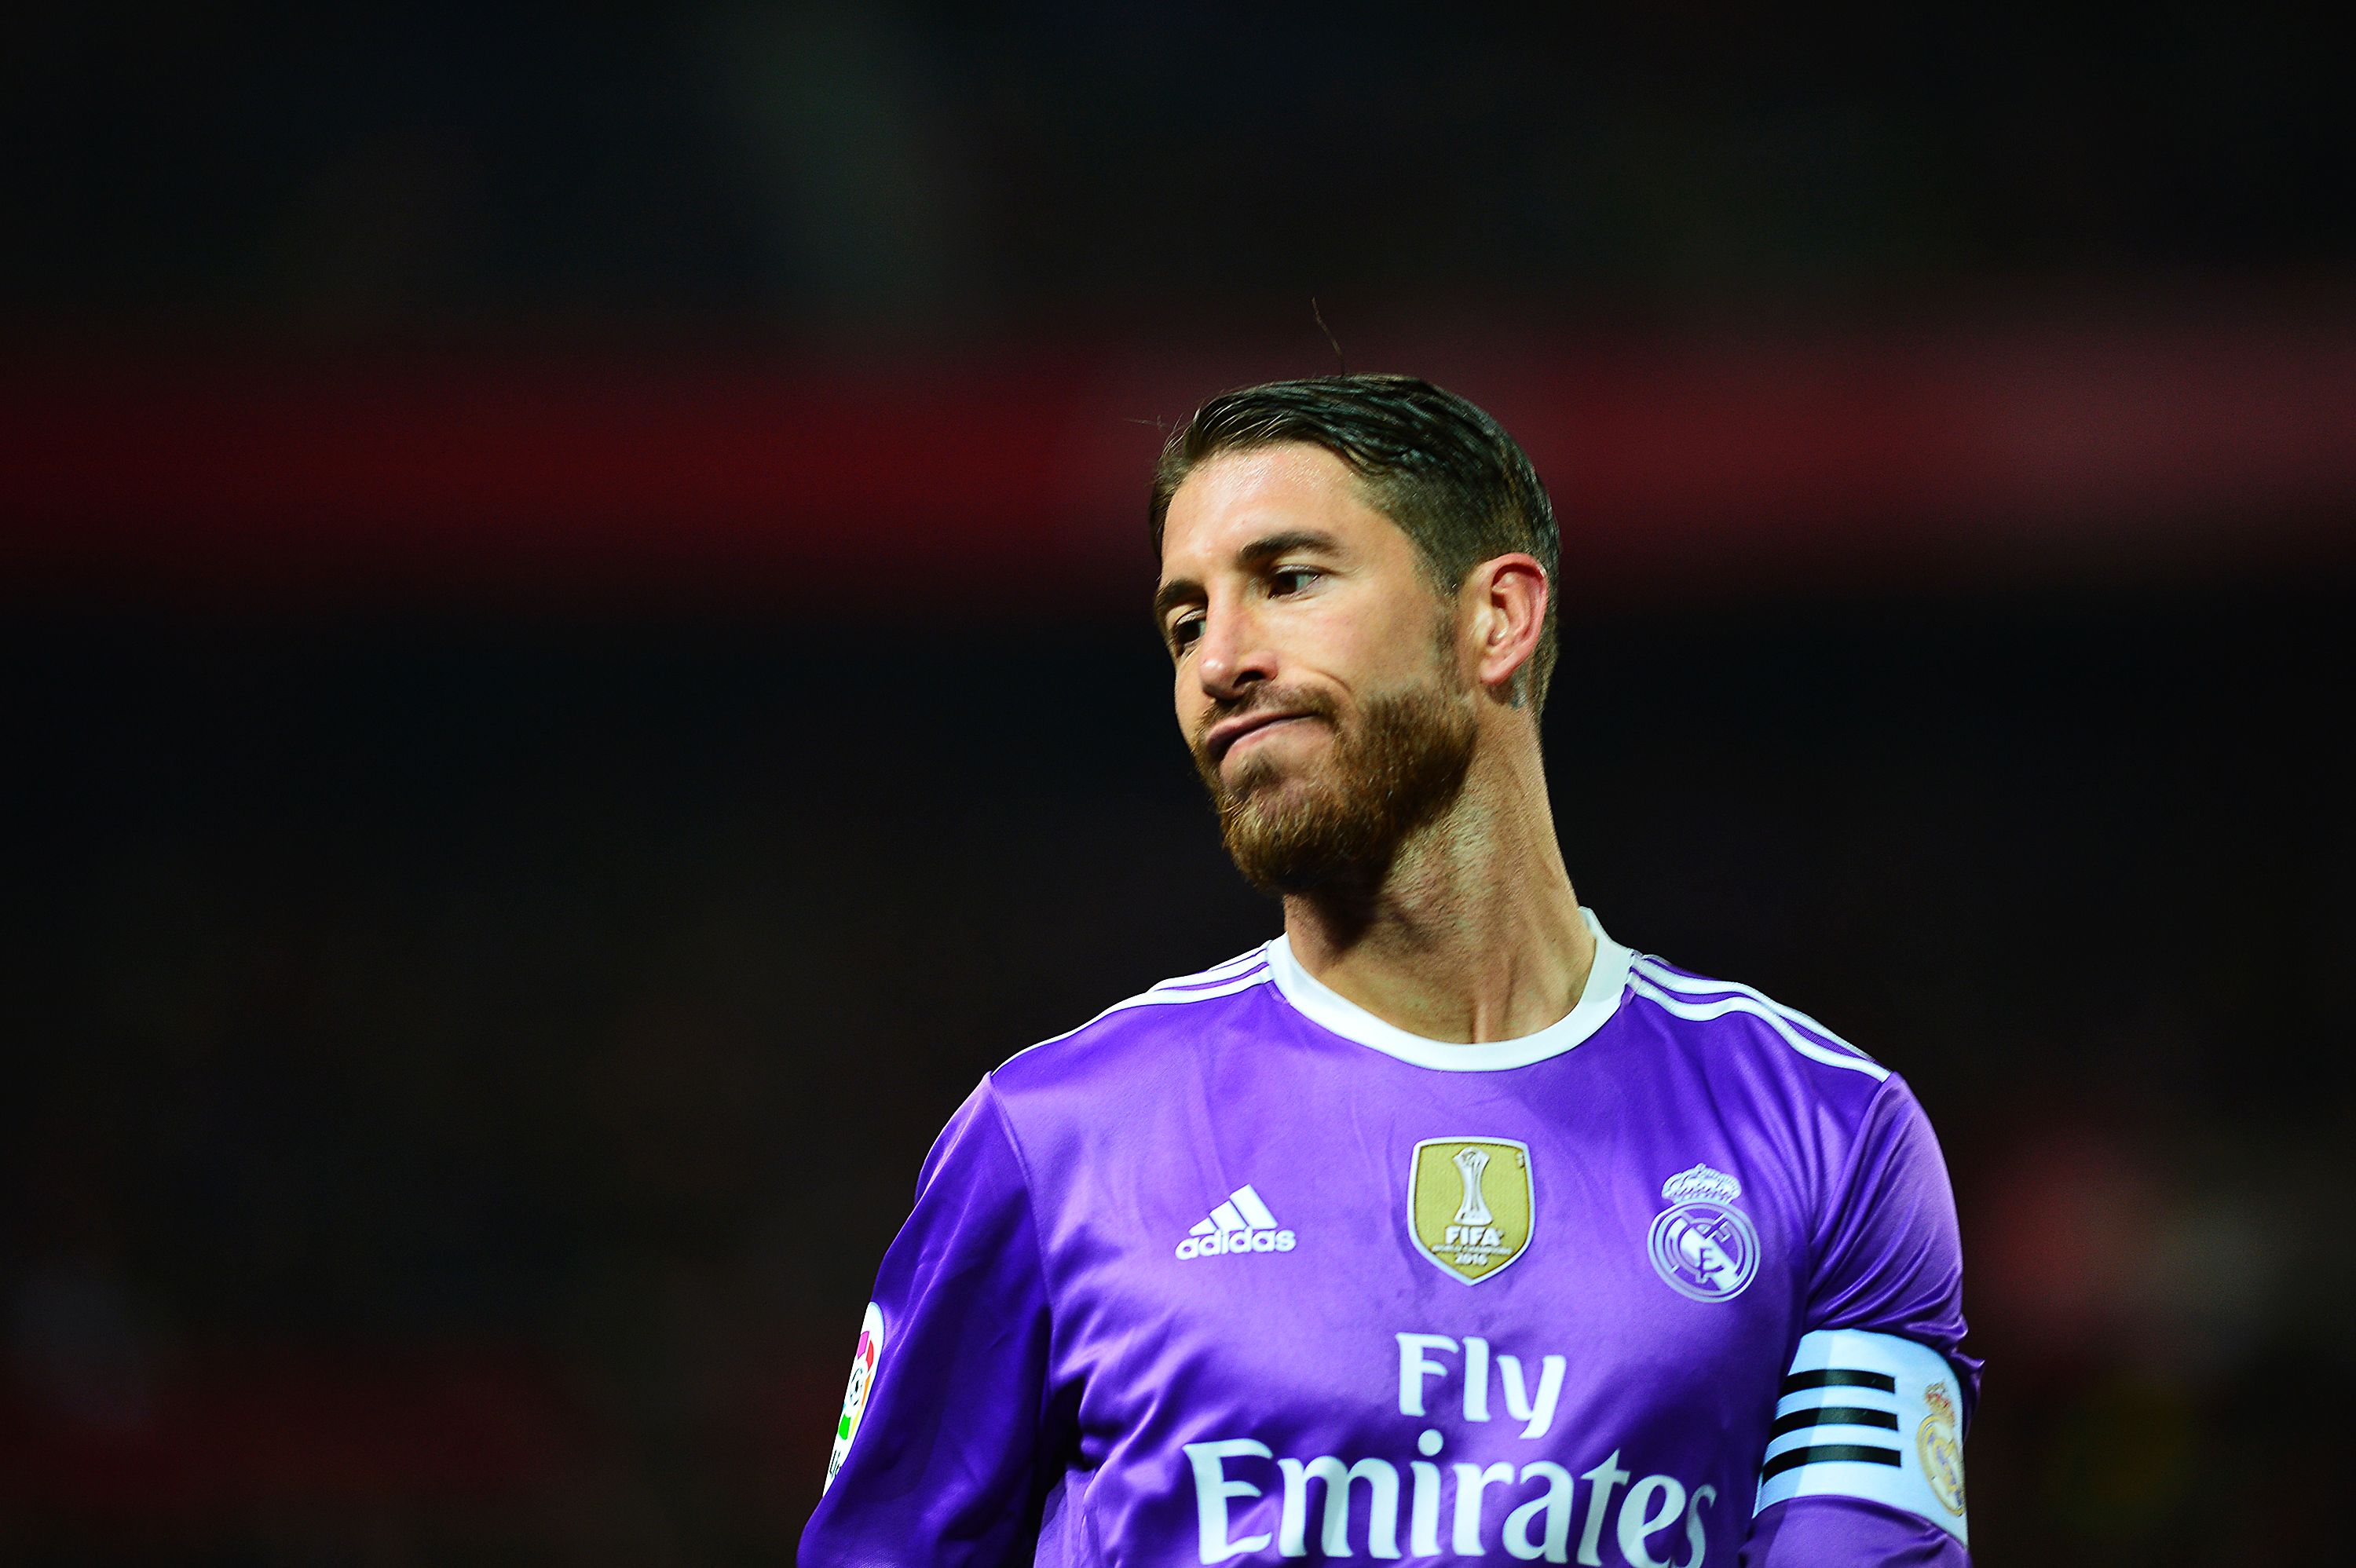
(1241, 1224)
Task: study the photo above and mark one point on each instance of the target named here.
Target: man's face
(1318, 680)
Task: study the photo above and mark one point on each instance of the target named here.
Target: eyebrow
(1259, 552)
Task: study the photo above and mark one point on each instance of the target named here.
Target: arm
(937, 1457)
(1864, 1464)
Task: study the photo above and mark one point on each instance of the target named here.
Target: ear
(1506, 600)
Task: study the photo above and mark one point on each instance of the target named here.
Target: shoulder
(1840, 1135)
(1135, 1034)
(1733, 1028)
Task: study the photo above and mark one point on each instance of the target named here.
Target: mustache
(1262, 700)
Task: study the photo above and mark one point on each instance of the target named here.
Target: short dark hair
(1434, 464)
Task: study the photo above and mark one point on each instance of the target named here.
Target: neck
(1474, 932)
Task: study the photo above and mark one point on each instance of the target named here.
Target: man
(1442, 1225)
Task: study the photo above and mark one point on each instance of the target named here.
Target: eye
(1290, 579)
(1184, 633)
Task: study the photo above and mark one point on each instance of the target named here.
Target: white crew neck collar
(1607, 982)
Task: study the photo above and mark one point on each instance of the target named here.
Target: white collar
(1607, 981)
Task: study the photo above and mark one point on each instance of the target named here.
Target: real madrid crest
(1470, 1204)
(1940, 1448)
(1702, 1245)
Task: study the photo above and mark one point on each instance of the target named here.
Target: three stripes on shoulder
(1690, 996)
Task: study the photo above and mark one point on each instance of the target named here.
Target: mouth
(1225, 736)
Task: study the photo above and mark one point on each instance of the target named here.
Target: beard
(1339, 822)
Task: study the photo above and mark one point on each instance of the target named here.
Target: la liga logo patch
(864, 1362)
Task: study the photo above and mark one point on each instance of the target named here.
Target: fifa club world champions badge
(1469, 1204)
(861, 1390)
(1701, 1244)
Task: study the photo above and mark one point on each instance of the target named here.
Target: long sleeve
(938, 1458)
(1865, 1466)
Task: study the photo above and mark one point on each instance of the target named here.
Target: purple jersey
(1237, 1271)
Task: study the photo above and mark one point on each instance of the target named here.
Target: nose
(1232, 656)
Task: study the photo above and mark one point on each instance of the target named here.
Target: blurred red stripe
(2017, 453)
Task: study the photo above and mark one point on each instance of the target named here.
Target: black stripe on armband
(1829, 1454)
(1840, 1377)
(1833, 1416)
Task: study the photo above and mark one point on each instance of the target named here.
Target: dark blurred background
(573, 664)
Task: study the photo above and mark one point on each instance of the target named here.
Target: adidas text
(1224, 1243)
(1243, 1223)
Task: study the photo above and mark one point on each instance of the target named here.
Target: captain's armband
(1871, 1416)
